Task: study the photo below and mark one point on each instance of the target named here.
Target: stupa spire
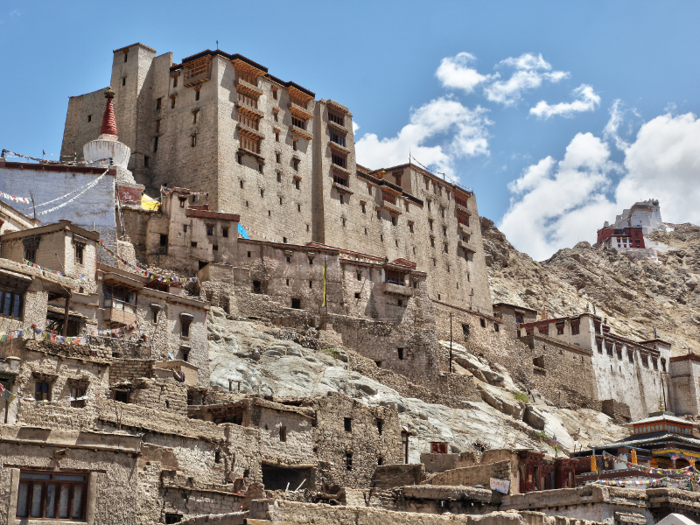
(109, 123)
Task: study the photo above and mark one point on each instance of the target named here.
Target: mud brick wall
(167, 395)
(333, 443)
(476, 475)
(129, 369)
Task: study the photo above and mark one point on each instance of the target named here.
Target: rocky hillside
(285, 363)
(636, 295)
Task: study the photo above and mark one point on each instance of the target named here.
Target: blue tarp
(242, 232)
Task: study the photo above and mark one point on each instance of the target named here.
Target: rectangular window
(146, 161)
(196, 95)
(338, 119)
(155, 144)
(89, 118)
(194, 140)
(339, 160)
(338, 139)
(299, 123)
(250, 144)
(11, 303)
(159, 103)
(340, 178)
(42, 392)
(224, 232)
(575, 328)
(210, 229)
(30, 253)
(247, 101)
(52, 495)
(248, 121)
(79, 250)
(463, 218)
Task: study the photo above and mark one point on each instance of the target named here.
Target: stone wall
(129, 369)
(477, 475)
(349, 442)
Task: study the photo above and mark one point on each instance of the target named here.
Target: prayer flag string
(89, 186)
(80, 277)
(7, 153)
(145, 273)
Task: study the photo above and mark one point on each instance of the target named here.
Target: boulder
(533, 419)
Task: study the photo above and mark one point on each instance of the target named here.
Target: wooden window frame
(58, 484)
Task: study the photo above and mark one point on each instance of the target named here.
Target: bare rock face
(636, 295)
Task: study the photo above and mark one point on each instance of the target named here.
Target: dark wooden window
(575, 328)
(339, 160)
(338, 139)
(395, 277)
(299, 123)
(224, 232)
(11, 303)
(185, 322)
(210, 229)
(52, 495)
(42, 391)
(338, 119)
(340, 178)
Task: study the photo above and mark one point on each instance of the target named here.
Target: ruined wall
(61, 373)
(129, 369)
(477, 475)
(286, 437)
(685, 385)
(168, 395)
(349, 457)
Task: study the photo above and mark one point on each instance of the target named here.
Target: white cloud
(454, 72)
(554, 201)
(530, 72)
(462, 132)
(556, 204)
(15, 13)
(355, 126)
(664, 162)
(586, 100)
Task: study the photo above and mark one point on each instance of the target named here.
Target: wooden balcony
(391, 208)
(300, 111)
(467, 246)
(339, 148)
(398, 289)
(249, 111)
(242, 86)
(120, 314)
(301, 132)
(250, 132)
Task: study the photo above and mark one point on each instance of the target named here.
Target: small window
(283, 433)
(196, 95)
(257, 287)
(496, 327)
(296, 304)
(357, 295)
(175, 81)
(249, 254)
(274, 92)
(185, 322)
(89, 118)
(400, 353)
(342, 199)
(380, 426)
(224, 232)
(172, 102)
(210, 229)
(79, 250)
(295, 163)
(159, 103)
(297, 184)
(164, 239)
(146, 161)
(193, 244)
(194, 116)
(289, 259)
(155, 144)
(121, 396)
(217, 456)
(42, 391)
(299, 210)
(240, 160)
(348, 424)
(215, 247)
(483, 323)
(260, 168)
(124, 81)
(465, 331)
(348, 460)
(311, 284)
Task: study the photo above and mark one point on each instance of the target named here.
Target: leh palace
(212, 312)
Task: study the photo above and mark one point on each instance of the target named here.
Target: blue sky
(558, 114)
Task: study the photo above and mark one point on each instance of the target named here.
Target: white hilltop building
(645, 214)
(629, 233)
